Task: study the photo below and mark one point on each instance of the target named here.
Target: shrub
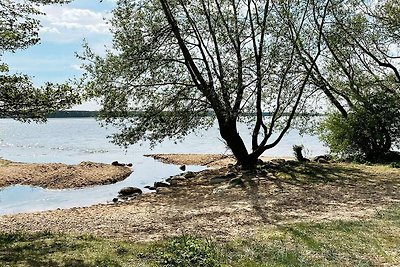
(188, 251)
(371, 129)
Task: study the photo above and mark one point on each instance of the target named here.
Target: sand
(281, 193)
(61, 176)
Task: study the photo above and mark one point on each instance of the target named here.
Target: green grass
(46, 249)
(339, 243)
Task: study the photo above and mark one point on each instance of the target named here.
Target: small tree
(19, 99)
(174, 62)
(368, 132)
(358, 74)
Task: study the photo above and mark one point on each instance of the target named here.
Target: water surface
(72, 141)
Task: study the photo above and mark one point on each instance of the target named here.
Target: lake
(72, 141)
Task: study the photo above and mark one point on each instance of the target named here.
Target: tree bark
(228, 131)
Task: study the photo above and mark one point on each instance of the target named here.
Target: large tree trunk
(380, 146)
(229, 133)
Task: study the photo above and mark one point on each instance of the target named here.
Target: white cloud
(64, 24)
(77, 67)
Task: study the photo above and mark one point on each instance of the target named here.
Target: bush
(188, 251)
(369, 131)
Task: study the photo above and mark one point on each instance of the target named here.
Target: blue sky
(64, 27)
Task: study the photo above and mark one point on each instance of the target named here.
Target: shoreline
(209, 160)
(227, 204)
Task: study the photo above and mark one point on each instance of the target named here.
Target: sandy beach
(213, 203)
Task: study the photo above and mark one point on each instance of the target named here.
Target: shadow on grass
(46, 249)
(313, 173)
(305, 174)
(309, 187)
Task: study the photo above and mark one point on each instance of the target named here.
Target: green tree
(368, 132)
(359, 68)
(19, 99)
(173, 62)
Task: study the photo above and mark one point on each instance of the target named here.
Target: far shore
(59, 175)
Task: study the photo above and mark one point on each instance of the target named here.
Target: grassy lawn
(339, 243)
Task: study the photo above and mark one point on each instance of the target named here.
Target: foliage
(188, 251)
(19, 26)
(359, 62)
(178, 61)
(369, 131)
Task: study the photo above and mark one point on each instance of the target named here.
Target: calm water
(72, 141)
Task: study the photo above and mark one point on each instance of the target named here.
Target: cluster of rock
(119, 164)
(172, 181)
(233, 176)
(128, 193)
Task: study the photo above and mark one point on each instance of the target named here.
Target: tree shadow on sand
(297, 190)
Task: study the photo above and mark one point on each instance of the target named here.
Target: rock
(116, 163)
(115, 200)
(160, 184)
(322, 158)
(150, 187)
(178, 178)
(162, 190)
(129, 191)
(182, 168)
(175, 180)
(129, 164)
(189, 175)
(236, 181)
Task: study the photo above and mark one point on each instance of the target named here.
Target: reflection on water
(72, 141)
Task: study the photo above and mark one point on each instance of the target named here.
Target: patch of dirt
(61, 176)
(276, 193)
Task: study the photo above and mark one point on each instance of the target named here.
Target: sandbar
(59, 175)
